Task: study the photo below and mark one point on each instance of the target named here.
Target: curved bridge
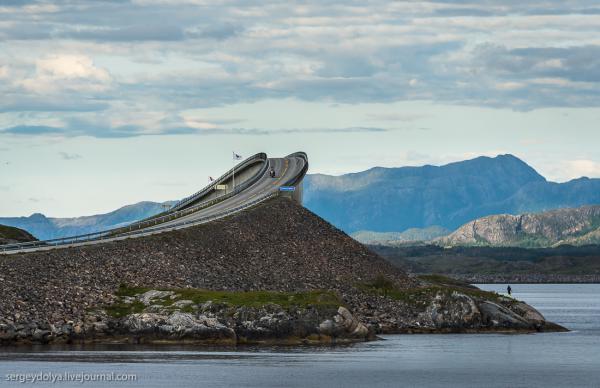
(247, 184)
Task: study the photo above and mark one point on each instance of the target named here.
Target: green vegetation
(16, 234)
(494, 261)
(121, 309)
(422, 296)
(445, 281)
(317, 298)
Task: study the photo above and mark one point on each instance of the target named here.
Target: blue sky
(105, 103)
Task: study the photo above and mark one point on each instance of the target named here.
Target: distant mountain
(397, 199)
(10, 235)
(45, 228)
(579, 226)
(382, 200)
(399, 238)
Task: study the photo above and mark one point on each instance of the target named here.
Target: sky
(104, 103)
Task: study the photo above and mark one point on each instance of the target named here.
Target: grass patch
(260, 298)
(422, 296)
(121, 309)
(444, 280)
(318, 298)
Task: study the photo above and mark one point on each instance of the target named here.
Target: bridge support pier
(297, 194)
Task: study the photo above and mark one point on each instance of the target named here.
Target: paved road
(289, 168)
(285, 169)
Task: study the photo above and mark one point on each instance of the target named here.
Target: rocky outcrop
(434, 309)
(204, 323)
(278, 246)
(564, 226)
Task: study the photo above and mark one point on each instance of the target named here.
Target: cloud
(582, 167)
(85, 128)
(67, 71)
(151, 55)
(68, 156)
(287, 131)
(88, 129)
(31, 130)
(215, 31)
(16, 103)
(402, 117)
(142, 32)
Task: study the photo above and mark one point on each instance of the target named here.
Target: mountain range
(396, 199)
(406, 203)
(400, 238)
(580, 226)
(45, 228)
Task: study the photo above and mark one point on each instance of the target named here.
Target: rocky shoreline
(167, 317)
(273, 274)
(528, 279)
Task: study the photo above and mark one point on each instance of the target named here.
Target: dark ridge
(9, 235)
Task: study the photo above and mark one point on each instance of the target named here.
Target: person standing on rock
(509, 290)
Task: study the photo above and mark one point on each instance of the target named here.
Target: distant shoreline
(520, 282)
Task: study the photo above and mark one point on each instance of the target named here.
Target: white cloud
(67, 71)
(509, 85)
(40, 8)
(582, 167)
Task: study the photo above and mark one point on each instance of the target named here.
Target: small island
(274, 274)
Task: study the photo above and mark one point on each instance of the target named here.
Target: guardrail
(260, 157)
(105, 236)
(172, 213)
(143, 227)
(302, 173)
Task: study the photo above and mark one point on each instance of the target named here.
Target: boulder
(527, 312)
(147, 297)
(454, 311)
(495, 315)
(343, 324)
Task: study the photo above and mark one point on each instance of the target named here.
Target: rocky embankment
(276, 273)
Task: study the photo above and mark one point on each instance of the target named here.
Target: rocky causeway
(276, 273)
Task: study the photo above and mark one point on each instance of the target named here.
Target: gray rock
(142, 323)
(182, 303)
(147, 297)
(454, 311)
(528, 313)
(353, 326)
(496, 315)
(40, 335)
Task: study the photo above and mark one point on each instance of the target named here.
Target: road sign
(287, 188)
(221, 187)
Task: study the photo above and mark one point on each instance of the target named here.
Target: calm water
(487, 360)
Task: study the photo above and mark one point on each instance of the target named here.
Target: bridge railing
(107, 236)
(157, 219)
(260, 157)
(150, 225)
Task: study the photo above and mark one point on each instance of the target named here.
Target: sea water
(441, 360)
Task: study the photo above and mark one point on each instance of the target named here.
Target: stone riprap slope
(579, 226)
(276, 246)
